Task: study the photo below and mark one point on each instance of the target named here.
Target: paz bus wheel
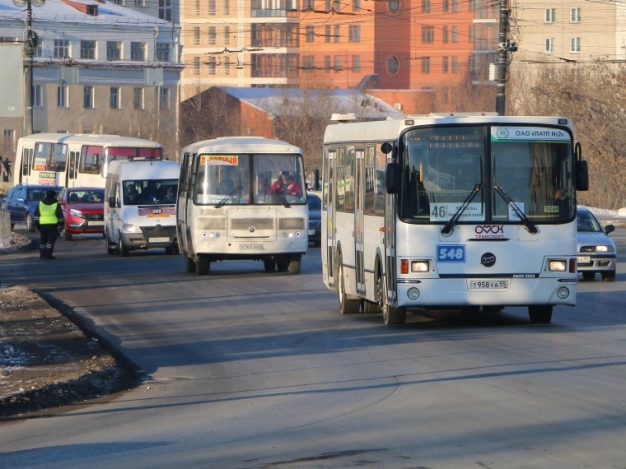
(540, 314)
(190, 265)
(123, 249)
(346, 306)
(202, 265)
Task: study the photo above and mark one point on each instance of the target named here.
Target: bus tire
(370, 307)
(30, 224)
(202, 265)
(295, 264)
(346, 306)
(190, 265)
(269, 265)
(123, 249)
(391, 314)
(540, 314)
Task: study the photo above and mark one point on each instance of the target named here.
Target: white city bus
(451, 212)
(231, 205)
(75, 160)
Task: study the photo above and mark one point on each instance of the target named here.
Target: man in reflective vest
(49, 217)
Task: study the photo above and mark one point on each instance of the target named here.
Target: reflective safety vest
(47, 214)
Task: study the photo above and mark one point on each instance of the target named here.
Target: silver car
(596, 251)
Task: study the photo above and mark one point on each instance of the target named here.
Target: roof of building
(271, 101)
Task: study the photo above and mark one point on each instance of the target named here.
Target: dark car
(596, 251)
(315, 219)
(22, 201)
(83, 210)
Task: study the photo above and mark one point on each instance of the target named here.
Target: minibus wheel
(190, 265)
(540, 314)
(122, 248)
(202, 265)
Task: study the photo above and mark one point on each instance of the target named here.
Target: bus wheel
(295, 263)
(190, 265)
(370, 307)
(391, 314)
(540, 314)
(30, 224)
(346, 306)
(122, 248)
(269, 265)
(107, 243)
(202, 265)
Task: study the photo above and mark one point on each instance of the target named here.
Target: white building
(100, 68)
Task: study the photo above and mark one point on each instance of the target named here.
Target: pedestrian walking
(49, 217)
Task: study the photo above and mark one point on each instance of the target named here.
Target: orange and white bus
(76, 160)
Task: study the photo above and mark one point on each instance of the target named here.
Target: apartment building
(100, 68)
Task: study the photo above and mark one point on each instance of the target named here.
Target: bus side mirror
(582, 175)
(393, 178)
(386, 148)
(112, 202)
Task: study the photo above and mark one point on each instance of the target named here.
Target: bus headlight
(555, 265)
(419, 266)
(413, 293)
(129, 228)
(562, 293)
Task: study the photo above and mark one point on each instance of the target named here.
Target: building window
(308, 62)
(62, 96)
(88, 50)
(164, 98)
(446, 6)
(574, 44)
(165, 10)
(455, 34)
(226, 34)
(38, 52)
(162, 52)
(307, 5)
(356, 63)
(226, 65)
(211, 66)
(428, 34)
(327, 63)
(355, 33)
(61, 48)
(425, 64)
(226, 7)
(88, 97)
(455, 64)
(444, 64)
(196, 65)
(140, 3)
(327, 5)
(327, 35)
(550, 15)
(337, 63)
(212, 35)
(114, 97)
(9, 138)
(425, 6)
(138, 51)
(114, 50)
(574, 15)
(37, 98)
(310, 34)
(549, 44)
(393, 65)
(356, 5)
(196, 35)
(455, 6)
(446, 34)
(212, 7)
(393, 5)
(337, 33)
(138, 99)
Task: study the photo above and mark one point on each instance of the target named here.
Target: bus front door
(359, 221)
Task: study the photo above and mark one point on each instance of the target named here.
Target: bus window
(58, 157)
(91, 160)
(278, 179)
(42, 154)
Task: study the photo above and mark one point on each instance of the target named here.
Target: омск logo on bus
(488, 259)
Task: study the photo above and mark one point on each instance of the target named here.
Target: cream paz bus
(229, 205)
(76, 160)
(451, 211)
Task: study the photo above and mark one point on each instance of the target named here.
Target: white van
(140, 205)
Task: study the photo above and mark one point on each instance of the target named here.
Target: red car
(83, 210)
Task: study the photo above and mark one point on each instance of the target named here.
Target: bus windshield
(529, 167)
(250, 179)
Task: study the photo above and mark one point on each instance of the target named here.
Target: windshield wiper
(447, 229)
(532, 229)
(283, 201)
(223, 201)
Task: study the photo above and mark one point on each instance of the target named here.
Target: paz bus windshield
(531, 167)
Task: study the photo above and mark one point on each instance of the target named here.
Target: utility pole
(505, 46)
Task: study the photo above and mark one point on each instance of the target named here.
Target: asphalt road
(256, 370)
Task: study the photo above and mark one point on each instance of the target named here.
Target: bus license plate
(95, 223)
(251, 247)
(479, 285)
(584, 259)
(159, 240)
